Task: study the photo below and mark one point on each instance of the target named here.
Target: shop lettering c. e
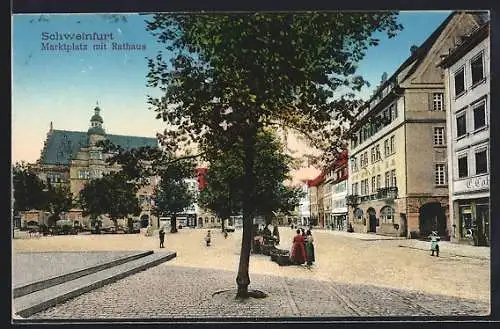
(479, 182)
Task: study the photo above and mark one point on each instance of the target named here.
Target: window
(387, 215)
(439, 177)
(387, 116)
(461, 125)
(355, 188)
(459, 82)
(378, 181)
(438, 102)
(374, 186)
(373, 154)
(377, 153)
(386, 147)
(392, 145)
(393, 178)
(354, 164)
(387, 179)
(394, 112)
(463, 170)
(364, 187)
(479, 115)
(481, 162)
(438, 136)
(364, 159)
(83, 174)
(477, 69)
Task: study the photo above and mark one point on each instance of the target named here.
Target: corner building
(467, 72)
(397, 167)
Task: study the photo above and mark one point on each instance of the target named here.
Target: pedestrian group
(303, 248)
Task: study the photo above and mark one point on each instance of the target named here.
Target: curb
(47, 283)
(27, 312)
(449, 252)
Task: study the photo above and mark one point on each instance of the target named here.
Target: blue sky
(63, 87)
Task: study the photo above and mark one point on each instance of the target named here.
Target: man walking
(162, 237)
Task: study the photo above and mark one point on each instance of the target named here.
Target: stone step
(37, 301)
(58, 279)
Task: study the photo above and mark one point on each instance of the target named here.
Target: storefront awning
(339, 211)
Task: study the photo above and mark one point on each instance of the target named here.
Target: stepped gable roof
(62, 145)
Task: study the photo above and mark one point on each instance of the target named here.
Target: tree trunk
(173, 224)
(243, 279)
(223, 226)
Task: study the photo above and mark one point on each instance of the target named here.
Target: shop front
(339, 219)
(474, 222)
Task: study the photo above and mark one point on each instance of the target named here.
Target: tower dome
(96, 117)
(96, 123)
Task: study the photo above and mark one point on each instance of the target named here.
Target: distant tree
(58, 200)
(28, 188)
(172, 195)
(225, 191)
(112, 195)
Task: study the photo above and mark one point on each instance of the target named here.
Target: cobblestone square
(351, 277)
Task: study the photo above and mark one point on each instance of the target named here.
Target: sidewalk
(446, 247)
(361, 236)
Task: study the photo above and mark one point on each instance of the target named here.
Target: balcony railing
(352, 200)
(387, 193)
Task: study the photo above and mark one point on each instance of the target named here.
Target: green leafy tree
(112, 195)
(224, 193)
(231, 74)
(58, 199)
(28, 188)
(172, 195)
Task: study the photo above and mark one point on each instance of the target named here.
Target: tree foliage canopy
(229, 75)
(225, 192)
(28, 189)
(112, 195)
(293, 69)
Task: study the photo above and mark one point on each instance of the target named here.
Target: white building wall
(473, 186)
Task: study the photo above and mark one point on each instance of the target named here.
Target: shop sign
(472, 184)
(478, 183)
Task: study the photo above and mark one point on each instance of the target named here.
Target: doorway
(372, 220)
(432, 218)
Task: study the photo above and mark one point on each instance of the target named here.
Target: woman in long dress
(298, 255)
(309, 248)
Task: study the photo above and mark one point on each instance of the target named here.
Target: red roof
(340, 161)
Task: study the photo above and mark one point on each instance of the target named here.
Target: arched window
(387, 215)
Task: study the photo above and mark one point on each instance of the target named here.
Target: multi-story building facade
(72, 158)
(304, 210)
(398, 145)
(467, 77)
(338, 183)
(316, 200)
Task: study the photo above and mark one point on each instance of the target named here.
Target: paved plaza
(353, 276)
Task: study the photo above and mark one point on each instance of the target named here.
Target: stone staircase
(32, 297)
